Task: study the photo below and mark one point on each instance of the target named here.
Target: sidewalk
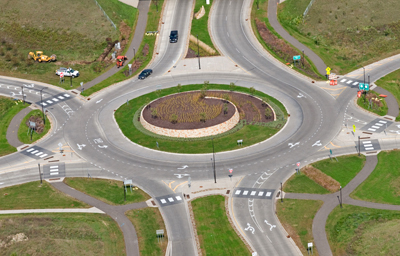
(273, 20)
(12, 130)
(80, 210)
(136, 41)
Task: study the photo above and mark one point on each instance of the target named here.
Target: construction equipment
(42, 58)
(121, 60)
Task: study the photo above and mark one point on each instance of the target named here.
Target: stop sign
(298, 164)
(230, 170)
(61, 74)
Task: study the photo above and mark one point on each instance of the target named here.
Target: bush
(8, 56)
(232, 87)
(173, 118)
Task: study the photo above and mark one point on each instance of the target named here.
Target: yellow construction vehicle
(40, 57)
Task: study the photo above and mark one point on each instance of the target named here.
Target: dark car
(145, 73)
(173, 37)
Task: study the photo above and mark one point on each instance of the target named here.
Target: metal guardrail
(105, 14)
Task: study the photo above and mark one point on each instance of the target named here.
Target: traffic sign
(328, 69)
(298, 164)
(359, 94)
(361, 86)
(296, 57)
(230, 170)
(330, 150)
(366, 87)
(354, 128)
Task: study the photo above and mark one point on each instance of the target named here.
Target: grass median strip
(8, 109)
(250, 134)
(143, 55)
(303, 184)
(383, 185)
(33, 195)
(60, 234)
(296, 217)
(356, 230)
(24, 135)
(216, 234)
(146, 221)
(108, 191)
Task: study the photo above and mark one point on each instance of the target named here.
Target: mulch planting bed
(250, 108)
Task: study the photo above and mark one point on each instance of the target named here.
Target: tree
(232, 87)
(203, 93)
(205, 86)
(179, 87)
(252, 91)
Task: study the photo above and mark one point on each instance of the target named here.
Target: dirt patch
(281, 48)
(250, 109)
(20, 237)
(145, 50)
(39, 125)
(191, 54)
(321, 178)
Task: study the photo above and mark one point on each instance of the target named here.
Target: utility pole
(41, 103)
(40, 174)
(359, 148)
(198, 50)
(281, 193)
(22, 92)
(303, 57)
(215, 175)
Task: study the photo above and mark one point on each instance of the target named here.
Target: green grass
(383, 184)
(250, 134)
(62, 234)
(302, 184)
(8, 109)
(364, 103)
(356, 230)
(146, 221)
(153, 20)
(108, 191)
(262, 14)
(345, 34)
(33, 195)
(200, 26)
(23, 135)
(77, 36)
(391, 82)
(296, 217)
(216, 234)
(344, 170)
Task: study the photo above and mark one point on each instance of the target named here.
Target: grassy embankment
(275, 44)
(250, 134)
(216, 234)
(8, 109)
(200, 28)
(347, 35)
(33, 195)
(108, 191)
(23, 135)
(61, 234)
(153, 20)
(391, 82)
(76, 35)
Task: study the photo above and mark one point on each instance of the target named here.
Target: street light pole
(41, 103)
(40, 174)
(364, 75)
(22, 92)
(215, 175)
(341, 198)
(303, 57)
(281, 193)
(198, 50)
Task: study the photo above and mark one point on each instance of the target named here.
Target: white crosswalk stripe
(343, 80)
(349, 82)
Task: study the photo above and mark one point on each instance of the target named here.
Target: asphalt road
(89, 129)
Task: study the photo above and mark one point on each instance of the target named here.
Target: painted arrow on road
(99, 101)
(291, 145)
(183, 167)
(104, 146)
(318, 143)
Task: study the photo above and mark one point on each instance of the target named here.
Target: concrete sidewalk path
(12, 130)
(393, 106)
(115, 212)
(273, 20)
(136, 41)
(79, 210)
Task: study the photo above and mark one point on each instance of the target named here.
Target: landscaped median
(250, 132)
(372, 102)
(143, 55)
(40, 130)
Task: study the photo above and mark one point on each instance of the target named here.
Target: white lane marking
(54, 99)
(29, 150)
(245, 192)
(253, 193)
(34, 152)
(271, 226)
(61, 97)
(170, 199)
(369, 129)
(49, 101)
(348, 82)
(43, 155)
(67, 95)
(355, 83)
(318, 143)
(369, 148)
(53, 173)
(379, 124)
(178, 198)
(268, 194)
(367, 145)
(376, 127)
(368, 141)
(381, 121)
(343, 80)
(38, 154)
(252, 230)
(260, 193)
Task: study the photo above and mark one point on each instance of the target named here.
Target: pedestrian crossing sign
(354, 128)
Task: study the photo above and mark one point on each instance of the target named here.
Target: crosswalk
(253, 193)
(55, 99)
(170, 199)
(369, 145)
(54, 170)
(348, 81)
(378, 125)
(36, 152)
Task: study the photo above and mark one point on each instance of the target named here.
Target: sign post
(328, 71)
(296, 58)
(298, 168)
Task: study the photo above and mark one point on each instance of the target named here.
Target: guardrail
(105, 14)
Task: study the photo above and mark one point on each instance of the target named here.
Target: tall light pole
(198, 50)
(134, 54)
(364, 75)
(41, 103)
(22, 92)
(359, 148)
(215, 175)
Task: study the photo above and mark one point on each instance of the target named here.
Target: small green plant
(226, 97)
(179, 87)
(173, 118)
(158, 93)
(153, 112)
(268, 113)
(147, 102)
(206, 83)
(225, 108)
(252, 90)
(203, 93)
(203, 116)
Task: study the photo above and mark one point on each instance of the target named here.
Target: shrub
(268, 113)
(252, 90)
(203, 116)
(154, 112)
(173, 118)
(8, 56)
(179, 87)
(232, 87)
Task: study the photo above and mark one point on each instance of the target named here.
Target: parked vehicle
(173, 37)
(145, 73)
(67, 72)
